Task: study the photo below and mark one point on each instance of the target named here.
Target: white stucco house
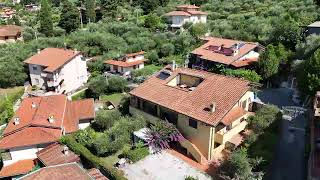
(39, 122)
(58, 70)
(127, 63)
(184, 14)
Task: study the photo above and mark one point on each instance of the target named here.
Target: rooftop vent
(16, 121)
(51, 119)
(65, 150)
(33, 105)
(213, 107)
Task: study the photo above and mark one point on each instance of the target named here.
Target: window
(193, 123)
(37, 81)
(35, 68)
(228, 127)
(244, 104)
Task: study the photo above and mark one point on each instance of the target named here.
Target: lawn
(10, 95)
(114, 98)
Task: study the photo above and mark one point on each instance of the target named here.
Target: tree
(269, 63)
(152, 21)
(69, 17)
(90, 10)
(306, 48)
(45, 18)
(98, 86)
(116, 84)
(106, 118)
(249, 75)
(167, 49)
(198, 30)
(309, 76)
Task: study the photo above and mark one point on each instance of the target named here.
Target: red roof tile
(223, 90)
(233, 115)
(135, 54)
(197, 13)
(223, 57)
(244, 62)
(10, 30)
(33, 115)
(54, 155)
(96, 174)
(70, 171)
(52, 58)
(178, 13)
(123, 63)
(17, 168)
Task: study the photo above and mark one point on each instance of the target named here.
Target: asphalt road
(288, 162)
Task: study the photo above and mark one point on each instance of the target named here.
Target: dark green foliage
(85, 137)
(152, 21)
(198, 30)
(90, 10)
(105, 119)
(69, 19)
(87, 156)
(98, 86)
(249, 75)
(190, 178)
(309, 75)
(45, 18)
(136, 154)
(116, 84)
(96, 66)
(269, 62)
(167, 49)
(124, 105)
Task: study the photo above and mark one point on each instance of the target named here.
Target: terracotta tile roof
(135, 54)
(178, 13)
(233, 115)
(197, 13)
(244, 62)
(33, 115)
(96, 174)
(188, 6)
(17, 168)
(123, 63)
(223, 56)
(52, 58)
(70, 171)
(54, 155)
(10, 30)
(224, 91)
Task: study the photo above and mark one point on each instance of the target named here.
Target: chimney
(173, 65)
(65, 150)
(51, 119)
(235, 52)
(33, 105)
(65, 46)
(213, 107)
(75, 51)
(16, 121)
(38, 50)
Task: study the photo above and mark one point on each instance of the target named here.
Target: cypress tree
(70, 19)
(90, 10)
(45, 18)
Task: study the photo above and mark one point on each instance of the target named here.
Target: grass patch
(81, 95)
(114, 98)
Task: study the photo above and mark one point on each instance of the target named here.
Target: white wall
(36, 74)
(251, 54)
(84, 125)
(28, 152)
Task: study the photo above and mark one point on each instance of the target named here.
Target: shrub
(190, 178)
(137, 154)
(116, 84)
(90, 158)
(85, 137)
(249, 75)
(97, 86)
(124, 105)
(106, 118)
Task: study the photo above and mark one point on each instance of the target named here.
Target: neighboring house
(126, 64)
(39, 122)
(7, 13)
(313, 28)
(68, 171)
(314, 156)
(228, 52)
(58, 70)
(210, 110)
(32, 7)
(10, 33)
(184, 14)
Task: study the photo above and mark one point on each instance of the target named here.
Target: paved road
(288, 162)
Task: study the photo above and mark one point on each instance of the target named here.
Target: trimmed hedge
(137, 154)
(95, 161)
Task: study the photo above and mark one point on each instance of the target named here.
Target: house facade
(219, 51)
(10, 33)
(58, 70)
(39, 122)
(126, 64)
(209, 110)
(184, 14)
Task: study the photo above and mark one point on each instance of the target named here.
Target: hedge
(113, 173)
(137, 154)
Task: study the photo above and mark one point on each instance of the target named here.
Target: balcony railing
(223, 136)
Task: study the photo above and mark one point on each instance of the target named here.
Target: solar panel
(163, 75)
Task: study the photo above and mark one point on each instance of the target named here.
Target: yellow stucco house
(208, 109)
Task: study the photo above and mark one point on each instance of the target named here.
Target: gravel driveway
(163, 166)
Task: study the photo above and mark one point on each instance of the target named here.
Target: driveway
(288, 162)
(162, 166)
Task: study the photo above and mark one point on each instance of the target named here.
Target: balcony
(222, 136)
(55, 83)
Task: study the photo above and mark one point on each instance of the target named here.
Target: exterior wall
(74, 74)
(28, 152)
(178, 21)
(136, 58)
(9, 39)
(84, 125)
(251, 54)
